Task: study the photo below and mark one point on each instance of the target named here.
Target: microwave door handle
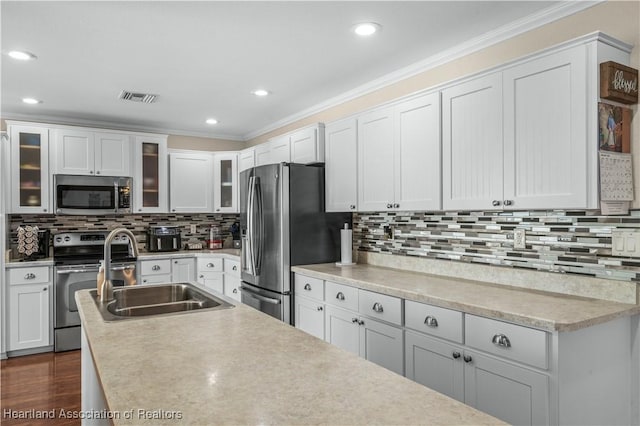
(116, 197)
(159, 243)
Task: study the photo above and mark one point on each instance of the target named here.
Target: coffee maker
(163, 238)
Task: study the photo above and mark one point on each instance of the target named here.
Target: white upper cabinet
(307, 145)
(399, 156)
(150, 185)
(225, 194)
(29, 169)
(85, 152)
(545, 132)
(341, 173)
(246, 159)
(190, 182)
(280, 150)
(263, 154)
(472, 144)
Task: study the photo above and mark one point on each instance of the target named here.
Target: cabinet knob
(201, 276)
(173, 210)
(495, 203)
(235, 268)
(210, 265)
(144, 281)
(396, 205)
(217, 210)
(44, 289)
(352, 207)
(235, 290)
(319, 308)
(467, 358)
(30, 276)
(508, 202)
(44, 210)
(501, 340)
(90, 172)
(431, 321)
(389, 205)
(307, 287)
(139, 210)
(377, 307)
(455, 355)
(340, 296)
(98, 172)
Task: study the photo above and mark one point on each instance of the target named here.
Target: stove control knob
(67, 238)
(58, 239)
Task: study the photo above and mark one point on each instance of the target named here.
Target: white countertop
(240, 366)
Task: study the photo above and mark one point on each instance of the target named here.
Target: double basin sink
(153, 300)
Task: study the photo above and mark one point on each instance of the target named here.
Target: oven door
(70, 279)
(85, 194)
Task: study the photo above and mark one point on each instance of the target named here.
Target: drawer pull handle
(340, 296)
(431, 321)
(319, 308)
(361, 322)
(235, 268)
(30, 276)
(155, 268)
(377, 307)
(210, 265)
(467, 358)
(354, 320)
(495, 203)
(307, 287)
(455, 355)
(501, 340)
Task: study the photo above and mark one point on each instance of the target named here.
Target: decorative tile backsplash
(575, 242)
(137, 224)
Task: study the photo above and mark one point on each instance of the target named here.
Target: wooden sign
(618, 83)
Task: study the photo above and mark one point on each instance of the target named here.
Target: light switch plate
(625, 243)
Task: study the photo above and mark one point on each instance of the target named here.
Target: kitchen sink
(153, 300)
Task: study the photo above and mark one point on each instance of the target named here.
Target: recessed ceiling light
(260, 92)
(31, 101)
(366, 28)
(211, 121)
(21, 56)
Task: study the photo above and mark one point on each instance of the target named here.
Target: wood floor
(37, 384)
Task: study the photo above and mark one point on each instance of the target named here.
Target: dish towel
(27, 240)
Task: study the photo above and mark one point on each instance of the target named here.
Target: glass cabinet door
(150, 180)
(226, 188)
(30, 169)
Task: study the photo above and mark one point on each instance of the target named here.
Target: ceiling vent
(137, 97)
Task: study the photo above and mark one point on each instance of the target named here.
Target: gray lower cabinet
(509, 392)
(371, 339)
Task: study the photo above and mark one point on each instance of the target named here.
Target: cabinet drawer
(309, 287)
(341, 295)
(211, 264)
(156, 279)
(232, 267)
(381, 306)
(155, 267)
(35, 275)
(522, 344)
(439, 322)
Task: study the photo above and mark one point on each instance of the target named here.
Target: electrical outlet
(193, 229)
(388, 232)
(519, 239)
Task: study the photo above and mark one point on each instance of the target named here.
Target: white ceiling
(203, 58)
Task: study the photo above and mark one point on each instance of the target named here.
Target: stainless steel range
(77, 257)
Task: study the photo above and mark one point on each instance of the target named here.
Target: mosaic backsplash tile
(138, 224)
(575, 242)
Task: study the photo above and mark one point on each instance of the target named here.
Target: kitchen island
(240, 366)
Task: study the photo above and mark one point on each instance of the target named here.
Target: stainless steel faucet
(106, 290)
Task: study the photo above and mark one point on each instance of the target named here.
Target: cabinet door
(212, 281)
(545, 131)
(263, 154)
(29, 170)
(307, 145)
(280, 150)
(247, 159)
(112, 154)
(435, 364)
(232, 286)
(375, 161)
(472, 145)
(310, 316)
(341, 172)
(225, 194)
(516, 395)
(150, 180)
(183, 270)
(29, 316)
(190, 183)
(74, 152)
(417, 154)
(342, 329)
(382, 344)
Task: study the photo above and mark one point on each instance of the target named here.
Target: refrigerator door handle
(260, 297)
(250, 231)
(259, 235)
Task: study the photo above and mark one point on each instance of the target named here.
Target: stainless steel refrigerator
(282, 224)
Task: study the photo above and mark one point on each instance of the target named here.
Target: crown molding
(498, 35)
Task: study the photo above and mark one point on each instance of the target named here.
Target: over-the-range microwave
(91, 195)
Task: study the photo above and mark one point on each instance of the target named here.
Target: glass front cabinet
(225, 194)
(29, 169)
(150, 181)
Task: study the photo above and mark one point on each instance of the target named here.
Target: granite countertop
(533, 308)
(240, 366)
